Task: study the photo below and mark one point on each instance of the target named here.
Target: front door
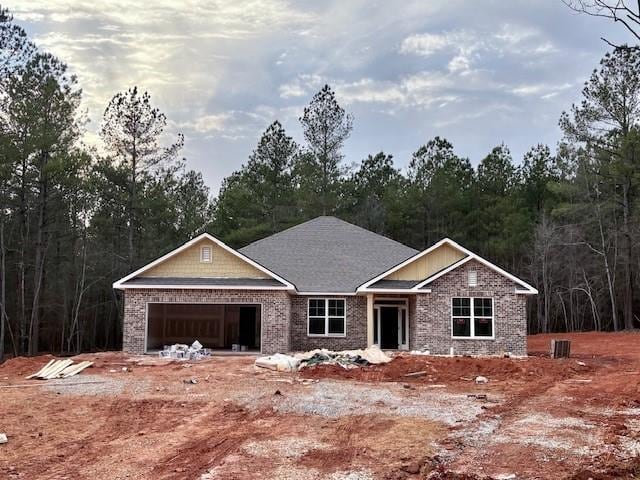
(391, 324)
(389, 327)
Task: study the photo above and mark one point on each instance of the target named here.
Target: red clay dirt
(576, 418)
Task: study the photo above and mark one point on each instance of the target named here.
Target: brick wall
(430, 321)
(275, 313)
(356, 326)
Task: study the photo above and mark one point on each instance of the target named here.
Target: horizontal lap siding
(187, 263)
(275, 313)
(431, 315)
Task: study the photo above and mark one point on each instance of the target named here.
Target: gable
(187, 263)
(428, 264)
(225, 268)
(419, 271)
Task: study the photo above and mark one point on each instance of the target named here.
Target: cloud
(223, 70)
(468, 47)
(542, 90)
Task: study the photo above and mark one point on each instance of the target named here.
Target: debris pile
(278, 362)
(346, 359)
(60, 369)
(180, 351)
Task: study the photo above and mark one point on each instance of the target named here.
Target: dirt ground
(221, 418)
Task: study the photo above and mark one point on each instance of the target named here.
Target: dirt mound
(451, 370)
(24, 365)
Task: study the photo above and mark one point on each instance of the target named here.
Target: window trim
(472, 317)
(326, 317)
(202, 248)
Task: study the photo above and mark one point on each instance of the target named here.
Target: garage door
(213, 325)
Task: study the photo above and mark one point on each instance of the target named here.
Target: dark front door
(389, 327)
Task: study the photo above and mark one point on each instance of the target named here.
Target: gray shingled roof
(213, 282)
(400, 284)
(327, 254)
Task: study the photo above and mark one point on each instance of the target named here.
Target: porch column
(369, 319)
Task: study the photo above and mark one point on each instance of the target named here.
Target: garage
(215, 326)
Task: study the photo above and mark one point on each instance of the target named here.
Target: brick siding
(430, 317)
(284, 317)
(356, 326)
(275, 313)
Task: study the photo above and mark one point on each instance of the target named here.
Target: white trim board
(202, 287)
(119, 284)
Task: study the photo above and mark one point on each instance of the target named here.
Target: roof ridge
(292, 227)
(376, 233)
(319, 217)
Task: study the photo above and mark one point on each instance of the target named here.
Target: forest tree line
(74, 218)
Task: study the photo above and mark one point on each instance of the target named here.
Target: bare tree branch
(616, 10)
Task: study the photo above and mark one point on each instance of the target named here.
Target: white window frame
(202, 249)
(472, 317)
(326, 317)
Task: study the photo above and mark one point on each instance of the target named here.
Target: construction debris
(3, 438)
(181, 351)
(346, 359)
(278, 362)
(421, 373)
(420, 352)
(60, 369)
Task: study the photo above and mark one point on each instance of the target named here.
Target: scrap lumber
(421, 373)
(60, 369)
(72, 370)
(41, 371)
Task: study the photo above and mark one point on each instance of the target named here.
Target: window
(473, 278)
(205, 254)
(472, 317)
(326, 317)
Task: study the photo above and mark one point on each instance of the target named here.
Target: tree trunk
(3, 289)
(40, 253)
(627, 308)
(23, 339)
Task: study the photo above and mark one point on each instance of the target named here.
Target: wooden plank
(51, 368)
(42, 369)
(56, 369)
(75, 369)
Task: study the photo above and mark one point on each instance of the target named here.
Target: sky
(477, 72)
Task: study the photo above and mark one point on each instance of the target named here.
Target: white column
(369, 319)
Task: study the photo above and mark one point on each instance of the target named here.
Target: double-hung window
(326, 317)
(472, 317)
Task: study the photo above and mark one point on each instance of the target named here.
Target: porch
(388, 321)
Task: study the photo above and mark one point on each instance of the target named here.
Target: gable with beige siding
(428, 264)
(187, 263)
